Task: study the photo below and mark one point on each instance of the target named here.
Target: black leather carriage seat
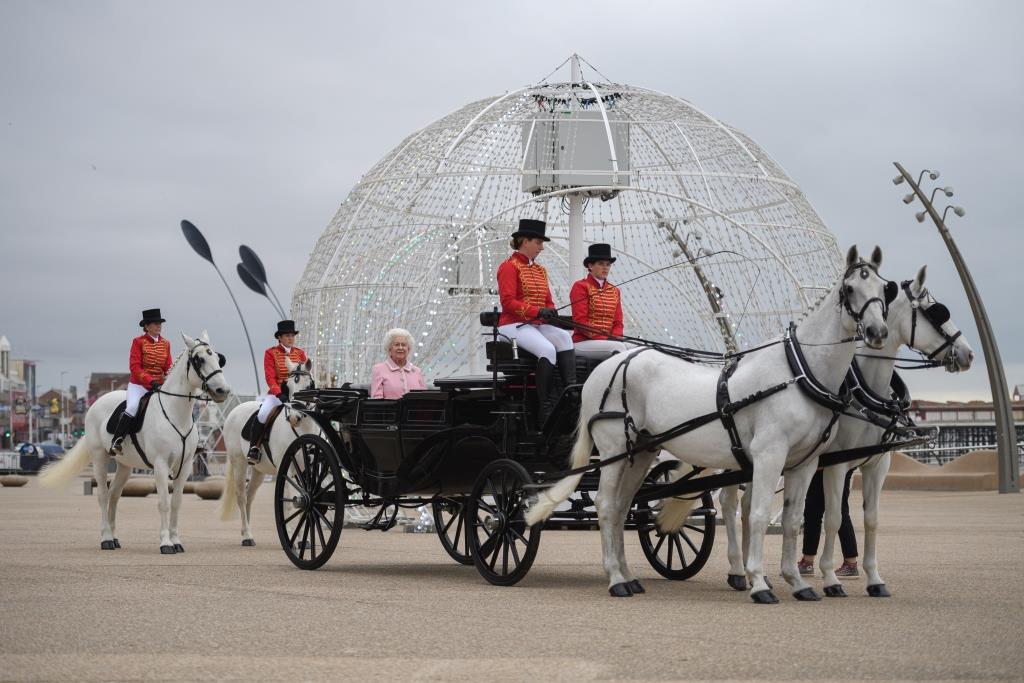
(465, 382)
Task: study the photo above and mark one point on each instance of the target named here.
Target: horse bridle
(195, 362)
(891, 292)
(937, 314)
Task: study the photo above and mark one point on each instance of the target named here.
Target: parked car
(35, 455)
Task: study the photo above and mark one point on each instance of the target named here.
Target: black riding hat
(151, 315)
(530, 227)
(599, 252)
(285, 327)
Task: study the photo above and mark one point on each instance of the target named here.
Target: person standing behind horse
(276, 371)
(597, 304)
(396, 376)
(525, 303)
(148, 361)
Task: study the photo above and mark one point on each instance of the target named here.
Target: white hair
(393, 333)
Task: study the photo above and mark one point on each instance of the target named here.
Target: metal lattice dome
(418, 240)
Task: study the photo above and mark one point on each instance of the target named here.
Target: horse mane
(820, 300)
(174, 364)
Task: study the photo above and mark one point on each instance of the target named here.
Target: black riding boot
(124, 425)
(254, 453)
(545, 381)
(566, 366)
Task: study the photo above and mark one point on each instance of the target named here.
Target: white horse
(167, 437)
(784, 430)
(913, 324)
(910, 326)
(286, 428)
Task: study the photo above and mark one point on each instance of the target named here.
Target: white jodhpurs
(269, 403)
(543, 341)
(135, 394)
(601, 346)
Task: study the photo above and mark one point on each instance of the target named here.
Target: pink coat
(390, 381)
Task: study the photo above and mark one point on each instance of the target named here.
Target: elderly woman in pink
(396, 376)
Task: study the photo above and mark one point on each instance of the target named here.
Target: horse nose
(220, 391)
(970, 356)
(877, 333)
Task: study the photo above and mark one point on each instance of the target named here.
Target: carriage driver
(148, 361)
(276, 371)
(597, 304)
(526, 298)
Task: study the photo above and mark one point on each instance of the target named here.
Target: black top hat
(151, 315)
(599, 252)
(285, 327)
(530, 227)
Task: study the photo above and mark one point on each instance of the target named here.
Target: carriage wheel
(450, 525)
(503, 547)
(681, 554)
(309, 501)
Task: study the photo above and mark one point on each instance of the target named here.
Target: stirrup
(116, 446)
(254, 455)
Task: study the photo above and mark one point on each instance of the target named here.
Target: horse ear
(309, 365)
(189, 341)
(205, 336)
(876, 257)
(851, 256)
(919, 280)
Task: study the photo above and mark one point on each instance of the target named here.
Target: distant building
(103, 382)
(963, 426)
(17, 396)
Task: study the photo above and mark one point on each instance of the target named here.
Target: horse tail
(554, 496)
(57, 474)
(228, 502)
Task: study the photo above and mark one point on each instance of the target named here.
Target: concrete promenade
(392, 605)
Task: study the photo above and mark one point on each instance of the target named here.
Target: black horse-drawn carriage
(471, 449)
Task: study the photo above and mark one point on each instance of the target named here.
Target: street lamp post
(1006, 433)
(62, 438)
(200, 246)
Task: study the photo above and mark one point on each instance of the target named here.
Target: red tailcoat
(276, 369)
(149, 360)
(523, 289)
(596, 307)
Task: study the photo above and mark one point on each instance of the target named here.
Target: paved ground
(393, 605)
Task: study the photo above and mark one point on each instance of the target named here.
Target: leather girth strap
(725, 410)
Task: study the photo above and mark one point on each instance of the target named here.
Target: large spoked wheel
(681, 554)
(309, 501)
(502, 546)
(450, 524)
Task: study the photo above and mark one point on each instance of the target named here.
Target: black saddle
(248, 426)
(140, 415)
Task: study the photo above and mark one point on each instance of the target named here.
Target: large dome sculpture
(418, 240)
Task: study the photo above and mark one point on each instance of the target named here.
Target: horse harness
(937, 314)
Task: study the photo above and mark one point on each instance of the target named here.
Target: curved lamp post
(201, 247)
(1006, 433)
(254, 276)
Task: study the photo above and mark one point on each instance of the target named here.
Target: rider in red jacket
(149, 360)
(276, 370)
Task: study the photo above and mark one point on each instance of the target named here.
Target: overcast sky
(254, 120)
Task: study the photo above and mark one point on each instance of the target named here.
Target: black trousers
(814, 511)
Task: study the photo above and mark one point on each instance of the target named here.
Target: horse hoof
(879, 590)
(636, 587)
(117, 543)
(765, 597)
(737, 582)
(620, 590)
(248, 542)
(835, 591)
(179, 548)
(167, 550)
(806, 595)
(107, 545)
